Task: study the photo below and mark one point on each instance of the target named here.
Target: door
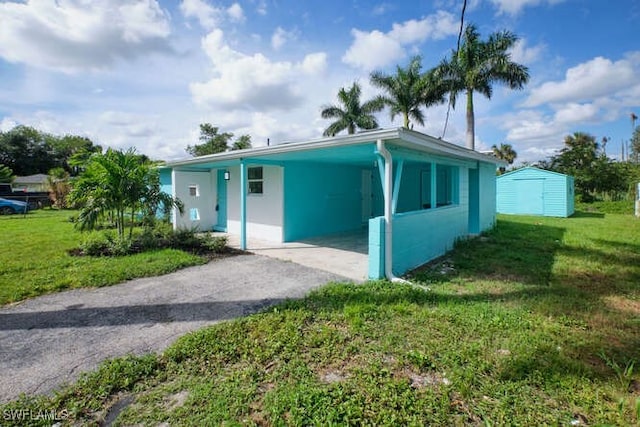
(221, 202)
(529, 196)
(367, 195)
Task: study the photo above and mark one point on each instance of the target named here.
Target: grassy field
(535, 323)
(34, 259)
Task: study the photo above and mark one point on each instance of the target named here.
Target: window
(193, 191)
(255, 180)
(194, 214)
(446, 185)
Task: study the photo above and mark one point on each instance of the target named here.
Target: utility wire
(446, 121)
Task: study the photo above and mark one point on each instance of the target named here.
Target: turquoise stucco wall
(424, 235)
(532, 191)
(165, 181)
(487, 193)
(321, 199)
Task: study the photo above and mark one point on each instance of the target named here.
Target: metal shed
(533, 191)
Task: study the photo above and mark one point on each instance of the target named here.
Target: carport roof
(356, 148)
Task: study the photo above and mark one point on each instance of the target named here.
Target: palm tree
(351, 114)
(505, 152)
(408, 90)
(115, 184)
(476, 66)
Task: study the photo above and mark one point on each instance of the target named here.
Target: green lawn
(34, 259)
(535, 323)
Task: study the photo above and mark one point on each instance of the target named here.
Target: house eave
(397, 136)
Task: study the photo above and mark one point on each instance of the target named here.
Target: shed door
(529, 196)
(221, 202)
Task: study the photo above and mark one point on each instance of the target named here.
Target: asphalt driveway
(48, 341)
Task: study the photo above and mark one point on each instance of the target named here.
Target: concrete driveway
(50, 340)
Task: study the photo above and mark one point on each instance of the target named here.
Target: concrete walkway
(345, 254)
(49, 340)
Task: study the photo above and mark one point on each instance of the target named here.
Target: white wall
(204, 202)
(264, 211)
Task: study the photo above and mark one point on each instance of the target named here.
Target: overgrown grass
(535, 323)
(34, 258)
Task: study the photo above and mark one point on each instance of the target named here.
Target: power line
(446, 121)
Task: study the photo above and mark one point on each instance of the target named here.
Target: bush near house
(534, 323)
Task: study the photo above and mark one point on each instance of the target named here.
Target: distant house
(410, 194)
(31, 183)
(533, 191)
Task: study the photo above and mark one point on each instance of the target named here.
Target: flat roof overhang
(358, 148)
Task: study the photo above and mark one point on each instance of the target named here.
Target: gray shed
(533, 191)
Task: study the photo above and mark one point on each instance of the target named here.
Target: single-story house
(533, 191)
(31, 183)
(413, 194)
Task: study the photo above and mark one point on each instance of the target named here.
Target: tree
(242, 143)
(505, 152)
(350, 113)
(476, 66)
(408, 90)
(214, 142)
(120, 184)
(579, 158)
(26, 151)
(6, 174)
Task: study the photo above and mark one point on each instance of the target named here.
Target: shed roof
(532, 168)
(38, 178)
(343, 148)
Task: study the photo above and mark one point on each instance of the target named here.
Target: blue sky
(145, 73)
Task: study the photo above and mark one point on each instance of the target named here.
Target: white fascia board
(337, 141)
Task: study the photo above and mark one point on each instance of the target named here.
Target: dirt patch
(176, 400)
(623, 304)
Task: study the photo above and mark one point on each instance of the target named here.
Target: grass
(534, 323)
(34, 258)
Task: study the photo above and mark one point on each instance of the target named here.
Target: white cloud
(375, 49)
(207, 15)
(513, 7)
(236, 13)
(372, 50)
(73, 36)
(437, 26)
(280, 37)
(523, 54)
(575, 113)
(595, 78)
(261, 8)
(315, 63)
(381, 8)
(252, 82)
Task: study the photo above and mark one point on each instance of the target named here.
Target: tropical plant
(505, 152)
(476, 66)
(635, 146)
(119, 184)
(350, 114)
(408, 91)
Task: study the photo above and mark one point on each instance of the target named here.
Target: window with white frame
(194, 191)
(194, 214)
(255, 180)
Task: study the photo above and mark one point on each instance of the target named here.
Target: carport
(330, 198)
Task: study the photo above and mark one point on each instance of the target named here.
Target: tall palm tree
(505, 152)
(476, 66)
(351, 114)
(408, 91)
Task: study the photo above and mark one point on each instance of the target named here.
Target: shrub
(215, 244)
(95, 244)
